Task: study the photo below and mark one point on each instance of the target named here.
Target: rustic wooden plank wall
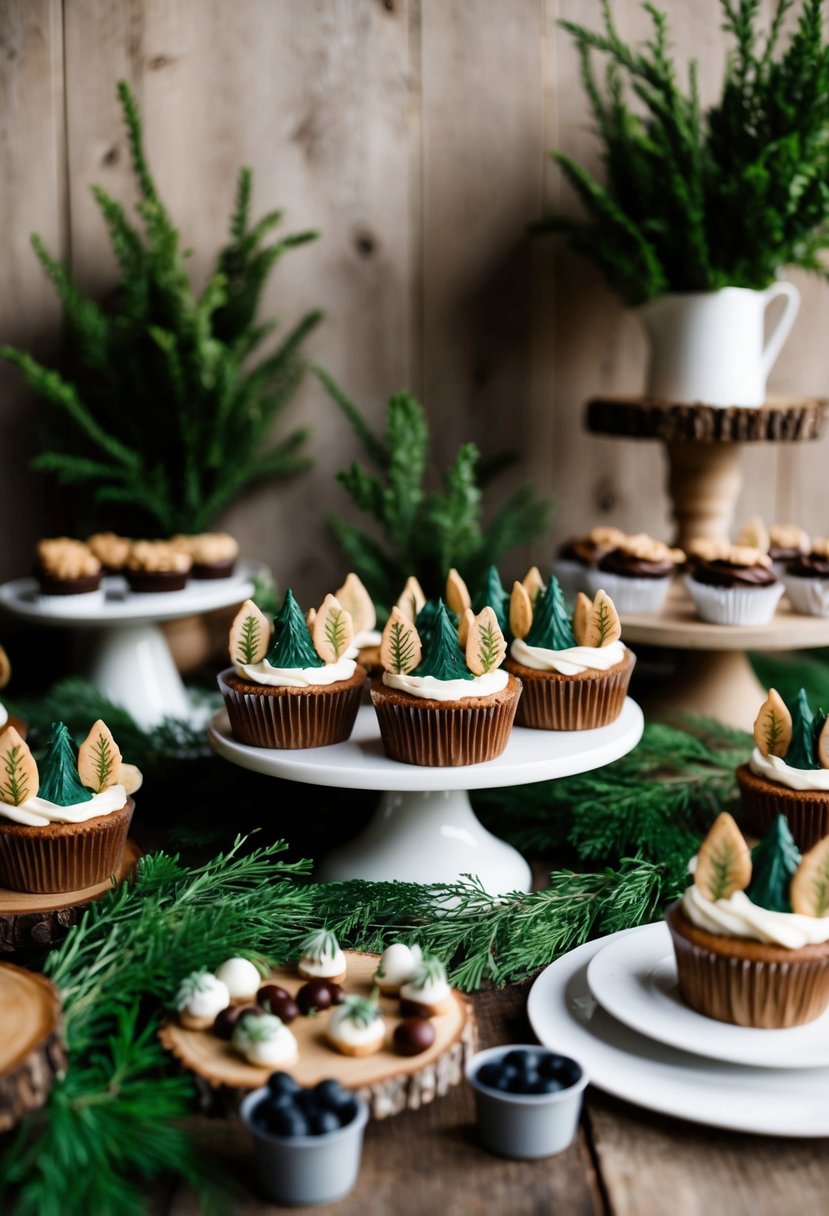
(412, 134)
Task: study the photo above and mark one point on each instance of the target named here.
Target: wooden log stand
(32, 1051)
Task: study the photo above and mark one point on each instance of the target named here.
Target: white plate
(634, 978)
(773, 1102)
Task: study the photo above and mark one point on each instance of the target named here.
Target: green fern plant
(693, 199)
(164, 415)
(422, 532)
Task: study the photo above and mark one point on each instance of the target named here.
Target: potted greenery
(702, 208)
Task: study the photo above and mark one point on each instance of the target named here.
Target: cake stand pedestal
(424, 829)
(131, 663)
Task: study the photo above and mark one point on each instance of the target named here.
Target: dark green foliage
(427, 618)
(423, 533)
(292, 645)
(806, 728)
(161, 419)
(788, 674)
(443, 657)
(697, 200)
(59, 780)
(774, 862)
(491, 592)
(551, 627)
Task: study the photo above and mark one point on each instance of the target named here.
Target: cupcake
(732, 584)
(751, 934)
(636, 573)
(63, 828)
(784, 543)
(440, 701)
(788, 773)
(111, 550)
(365, 645)
(157, 566)
(575, 674)
(213, 554)
(293, 690)
(66, 567)
(807, 579)
(580, 554)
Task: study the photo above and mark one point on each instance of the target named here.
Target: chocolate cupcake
(444, 699)
(111, 550)
(807, 579)
(66, 567)
(732, 584)
(580, 554)
(751, 934)
(575, 674)
(636, 574)
(157, 566)
(297, 690)
(213, 554)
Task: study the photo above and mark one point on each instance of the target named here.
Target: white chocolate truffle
(356, 1027)
(265, 1040)
(321, 957)
(398, 963)
(428, 986)
(242, 979)
(202, 995)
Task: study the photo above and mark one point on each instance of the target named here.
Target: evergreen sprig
(423, 532)
(697, 200)
(162, 415)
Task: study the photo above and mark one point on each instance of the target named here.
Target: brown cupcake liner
(554, 702)
(444, 735)
(807, 811)
(772, 993)
(293, 717)
(63, 857)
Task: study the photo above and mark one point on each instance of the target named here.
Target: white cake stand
(424, 829)
(131, 662)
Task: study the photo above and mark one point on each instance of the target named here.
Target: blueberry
(546, 1085)
(490, 1074)
(330, 1095)
(306, 1100)
(347, 1111)
(562, 1068)
(517, 1058)
(261, 1113)
(288, 1121)
(322, 1121)
(280, 1083)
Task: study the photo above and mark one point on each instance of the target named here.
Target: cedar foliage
(693, 199)
(163, 415)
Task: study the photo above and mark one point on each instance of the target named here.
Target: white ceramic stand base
(424, 829)
(131, 663)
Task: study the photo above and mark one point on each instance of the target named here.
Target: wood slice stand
(41, 920)
(388, 1082)
(31, 1048)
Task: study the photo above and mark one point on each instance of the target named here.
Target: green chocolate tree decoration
(806, 728)
(442, 654)
(292, 645)
(492, 593)
(426, 620)
(60, 782)
(773, 863)
(551, 627)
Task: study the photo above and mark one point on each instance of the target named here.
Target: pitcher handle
(784, 323)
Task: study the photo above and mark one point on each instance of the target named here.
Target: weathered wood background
(413, 134)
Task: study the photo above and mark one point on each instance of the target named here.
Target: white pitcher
(707, 347)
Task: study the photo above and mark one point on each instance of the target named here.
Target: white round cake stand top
(131, 664)
(424, 829)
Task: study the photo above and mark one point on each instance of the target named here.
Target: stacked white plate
(614, 1004)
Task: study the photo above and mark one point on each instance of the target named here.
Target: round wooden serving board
(31, 1050)
(389, 1083)
(42, 919)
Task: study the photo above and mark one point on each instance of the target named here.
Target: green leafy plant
(696, 200)
(424, 533)
(165, 413)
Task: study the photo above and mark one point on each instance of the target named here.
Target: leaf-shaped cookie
(603, 625)
(19, 779)
(822, 746)
(754, 533)
(457, 593)
(130, 777)
(581, 617)
(485, 646)
(773, 726)
(466, 623)
(411, 599)
(250, 635)
(723, 861)
(333, 630)
(809, 890)
(99, 758)
(533, 583)
(310, 617)
(5, 668)
(357, 601)
(400, 648)
(520, 611)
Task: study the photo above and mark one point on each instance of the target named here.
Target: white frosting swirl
(37, 812)
(324, 967)
(432, 689)
(367, 637)
(433, 992)
(4, 714)
(570, 662)
(296, 677)
(344, 1029)
(737, 916)
(265, 1040)
(774, 768)
(204, 998)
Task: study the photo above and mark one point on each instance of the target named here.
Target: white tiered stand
(131, 662)
(424, 829)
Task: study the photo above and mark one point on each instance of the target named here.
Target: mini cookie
(427, 992)
(265, 1040)
(201, 995)
(356, 1028)
(321, 957)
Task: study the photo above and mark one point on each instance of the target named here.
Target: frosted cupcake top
(301, 653)
(791, 746)
(720, 564)
(770, 894)
(547, 638)
(62, 558)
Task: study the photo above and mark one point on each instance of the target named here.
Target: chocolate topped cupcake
(732, 584)
(807, 579)
(636, 573)
(157, 566)
(582, 553)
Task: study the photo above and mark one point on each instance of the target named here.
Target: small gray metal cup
(301, 1170)
(525, 1126)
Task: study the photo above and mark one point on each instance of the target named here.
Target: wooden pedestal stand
(703, 444)
(31, 1047)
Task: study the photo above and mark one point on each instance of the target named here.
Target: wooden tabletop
(625, 1161)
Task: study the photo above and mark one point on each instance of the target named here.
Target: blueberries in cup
(290, 1110)
(528, 1072)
